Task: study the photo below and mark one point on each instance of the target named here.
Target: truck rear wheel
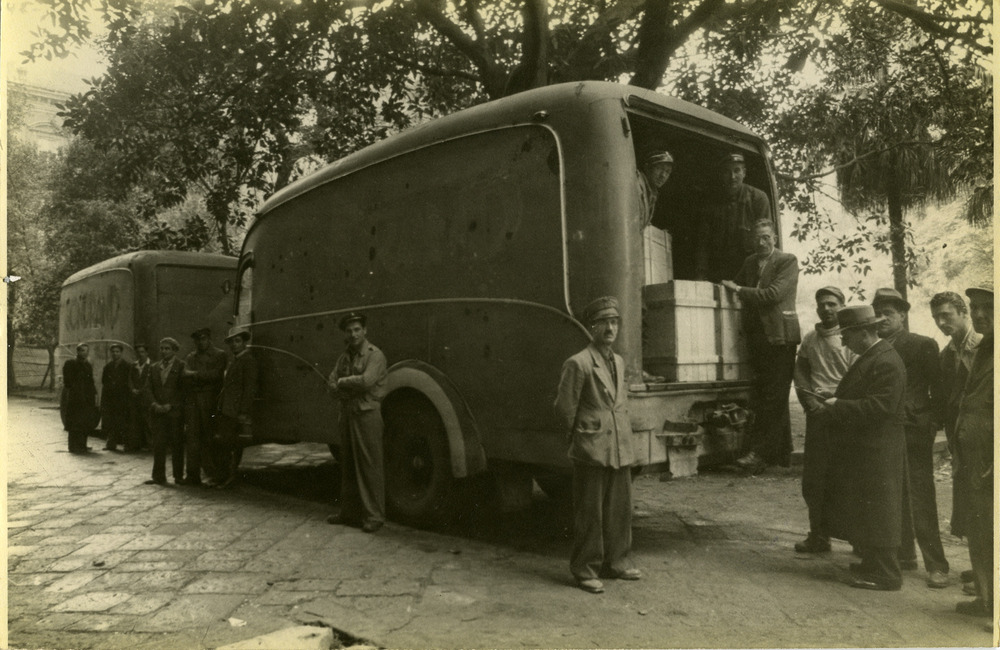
(420, 488)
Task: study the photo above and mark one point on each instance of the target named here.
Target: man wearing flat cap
(868, 452)
(234, 417)
(974, 458)
(820, 364)
(359, 381)
(726, 226)
(115, 399)
(166, 411)
(202, 381)
(591, 404)
(923, 393)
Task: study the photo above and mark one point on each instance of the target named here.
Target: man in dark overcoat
(766, 285)
(923, 394)
(138, 378)
(115, 399)
(202, 382)
(865, 423)
(78, 402)
(166, 408)
(239, 387)
(974, 444)
(591, 404)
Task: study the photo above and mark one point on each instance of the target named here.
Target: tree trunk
(52, 367)
(897, 232)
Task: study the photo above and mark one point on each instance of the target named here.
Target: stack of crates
(692, 332)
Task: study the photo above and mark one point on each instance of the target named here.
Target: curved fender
(467, 454)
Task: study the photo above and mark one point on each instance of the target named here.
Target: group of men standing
(196, 408)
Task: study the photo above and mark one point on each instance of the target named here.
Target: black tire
(558, 487)
(419, 486)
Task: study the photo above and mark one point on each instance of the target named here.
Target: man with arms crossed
(591, 404)
(821, 362)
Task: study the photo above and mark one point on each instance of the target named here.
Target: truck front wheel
(419, 485)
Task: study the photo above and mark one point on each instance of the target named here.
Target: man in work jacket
(766, 285)
(591, 404)
(359, 381)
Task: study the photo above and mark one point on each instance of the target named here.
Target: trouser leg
(907, 547)
(366, 432)
(78, 440)
(980, 536)
(881, 565)
(587, 555)
(223, 447)
(350, 500)
(923, 501)
(175, 429)
(816, 461)
(160, 426)
(771, 433)
(617, 519)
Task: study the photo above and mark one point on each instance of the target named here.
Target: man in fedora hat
(767, 284)
(591, 404)
(868, 459)
(202, 381)
(923, 392)
(820, 363)
(114, 399)
(726, 229)
(359, 381)
(239, 387)
(974, 458)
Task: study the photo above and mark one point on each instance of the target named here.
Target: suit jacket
(138, 378)
(955, 365)
(974, 428)
(593, 409)
(768, 297)
(114, 386)
(864, 503)
(166, 392)
(365, 374)
(239, 387)
(923, 381)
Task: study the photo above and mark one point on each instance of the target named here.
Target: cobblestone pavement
(98, 560)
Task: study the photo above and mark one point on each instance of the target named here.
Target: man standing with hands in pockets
(591, 402)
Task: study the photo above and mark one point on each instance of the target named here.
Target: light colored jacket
(593, 409)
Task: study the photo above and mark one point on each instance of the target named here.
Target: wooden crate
(731, 343)
(679, 331)
(656, 255)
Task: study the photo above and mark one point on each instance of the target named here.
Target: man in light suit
(766, 285)
(591, 403)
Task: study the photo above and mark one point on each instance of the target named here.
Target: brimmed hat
(604, 307)
(983, 290)
(831, 291)
(857, 316)
(121, 348)
(658, 157)
(890, 296)
(732, 158)
(241, 331)
(171, 341)
(350, 318)
(200, 332)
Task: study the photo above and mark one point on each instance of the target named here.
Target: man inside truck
(656, 168)
(726, 227)
(766, 285)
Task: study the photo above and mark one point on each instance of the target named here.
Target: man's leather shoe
(624, 574)
(973, 608)
(908, 565)
(859, 582)
(371, 526)
(153, 481)
(752, 463)
(340, 520)
(967, 575)
(937, 580)
(813, 544)
(591, 585)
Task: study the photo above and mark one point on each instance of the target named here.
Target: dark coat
(78, 402)
(114, 388)
(166, 392)
(768, 297)
(864, 503)
(974, 435)
(239, 387)
(594, 410)
(921, 358)
(138, 380)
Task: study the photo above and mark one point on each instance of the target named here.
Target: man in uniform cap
(864, 420)
(115, 399)
(821, 362)
(654, 173)
(359, 379)
(726, 227)
(974, 458)
(923, 392)
(239, 387)
(202, 381)
(591, 404)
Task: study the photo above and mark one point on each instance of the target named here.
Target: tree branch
(801, 179)
(492, 77)
(934, 24)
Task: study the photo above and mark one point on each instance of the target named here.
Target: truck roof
(151, 258)
(516, 109)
